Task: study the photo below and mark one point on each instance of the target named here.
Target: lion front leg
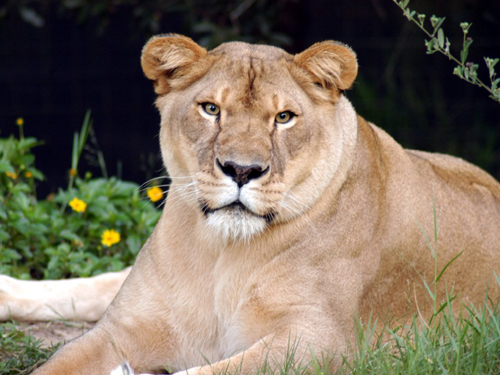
(250, 361)
(109, 344)
(126, 332)
(280, 353)
(276, 353)
(92, 353)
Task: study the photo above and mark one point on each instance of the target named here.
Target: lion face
(250, 135)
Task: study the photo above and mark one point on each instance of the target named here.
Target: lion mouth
(236, 207)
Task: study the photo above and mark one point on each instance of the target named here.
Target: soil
(52, 333)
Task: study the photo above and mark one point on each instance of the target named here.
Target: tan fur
(335, 228)
(76, 299)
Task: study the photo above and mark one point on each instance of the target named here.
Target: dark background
(60, 58)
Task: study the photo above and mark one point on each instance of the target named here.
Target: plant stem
(436, 45)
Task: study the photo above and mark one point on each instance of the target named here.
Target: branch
(438, 42)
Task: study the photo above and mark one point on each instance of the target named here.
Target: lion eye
(211, 109)
(284, 117)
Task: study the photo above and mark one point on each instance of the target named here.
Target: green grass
(467, 343)
(446, 344)
(20, 353)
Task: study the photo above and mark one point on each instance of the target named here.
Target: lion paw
(124, 369)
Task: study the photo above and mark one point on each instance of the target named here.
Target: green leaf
(459, 71)
(6, 166)
(491, 67)
(31, 17)
(116, 265)
(84, 133)
(463, 55)
(3, 214)
(74, 156)
(23, 200)
(79, 140)
(26, 160)
(495, 83)
(10, 254)
(492, 62)
(37, 174)
(441, 38)
(447, 265)
(53, 263)
(134, 244)
(27, 143)
(429, 44)
(63, 248)
(4, 236)
(439, 23)
(68, 235)
(443, 306)
(50, 251)
(431, 294)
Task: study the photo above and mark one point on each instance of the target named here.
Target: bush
(95, 225)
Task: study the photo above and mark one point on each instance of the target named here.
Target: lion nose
(241, 174)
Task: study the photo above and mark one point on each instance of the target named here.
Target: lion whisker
(164, 177)
(295, 211)
(153, 179)
(292, 197)
(183, 192)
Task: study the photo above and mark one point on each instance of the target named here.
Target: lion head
(251, 135)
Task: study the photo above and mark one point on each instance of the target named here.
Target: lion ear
(169, 61)
(332, 65)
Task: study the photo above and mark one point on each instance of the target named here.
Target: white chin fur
(235, 225)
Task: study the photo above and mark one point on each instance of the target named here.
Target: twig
(439, 43)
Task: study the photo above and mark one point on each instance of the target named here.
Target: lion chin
(235, 223)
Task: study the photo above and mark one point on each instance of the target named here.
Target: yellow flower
(78, 205)
(110, 237)
(155, 193)
(20, 121)
(72, 172)
(11, 175)
(28, 174)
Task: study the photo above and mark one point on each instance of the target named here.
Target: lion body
(277, 232)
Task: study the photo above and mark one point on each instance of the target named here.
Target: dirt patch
(52, 333)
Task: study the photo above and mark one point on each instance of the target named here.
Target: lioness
(288, 217)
